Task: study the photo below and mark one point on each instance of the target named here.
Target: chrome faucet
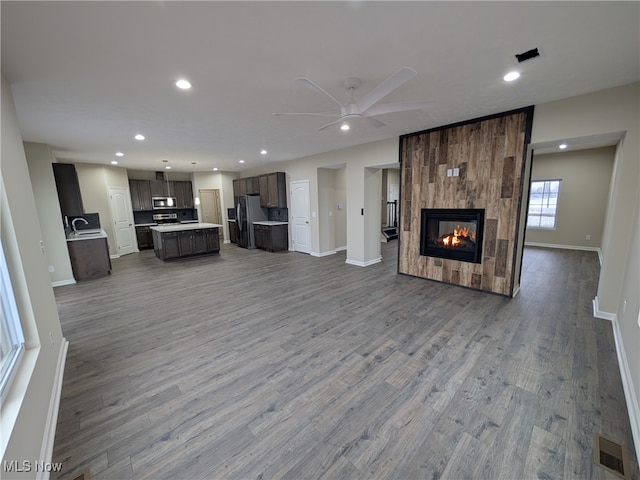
(73, 223)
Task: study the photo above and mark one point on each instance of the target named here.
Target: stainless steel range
(165, 218)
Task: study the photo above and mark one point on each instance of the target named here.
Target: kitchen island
(185, 240)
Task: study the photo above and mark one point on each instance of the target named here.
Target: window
(11, 338)
(543, 204)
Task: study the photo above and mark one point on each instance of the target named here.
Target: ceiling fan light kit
(367, 107)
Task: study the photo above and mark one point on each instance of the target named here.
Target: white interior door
(300, 224)
(122, 217)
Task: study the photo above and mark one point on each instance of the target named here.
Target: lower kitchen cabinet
(89, 258)
(272, 238)
(185, 243)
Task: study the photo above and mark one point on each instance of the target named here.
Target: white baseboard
(566, 247)
(633, 407)
(340, 249)
(516, 291)
(46, 451)
(358, 263)
(323, 254)
(60, 283)
(117, 255)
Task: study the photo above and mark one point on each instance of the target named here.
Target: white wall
(222, 181)
(326, 211)
(601, 113)
(95, 181)
(26, 417)
(39, 161)
(584, 192)
(356, 159)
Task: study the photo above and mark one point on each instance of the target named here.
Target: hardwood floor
(256, 365)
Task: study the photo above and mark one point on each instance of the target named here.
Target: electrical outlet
(51, 339)
(624, 307)
(456, 172)
(51, 269)
(449, 172)
(588, 237)
(42, 249)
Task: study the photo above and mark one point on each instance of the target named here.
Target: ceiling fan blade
(327, 125)
(374, 122)
(315, 86)
(308, 114)
(397, 107)
(385, 88)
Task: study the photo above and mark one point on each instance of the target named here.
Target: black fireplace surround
(450, 233)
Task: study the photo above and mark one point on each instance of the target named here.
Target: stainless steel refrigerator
(248, 210)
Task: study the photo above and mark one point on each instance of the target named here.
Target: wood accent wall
(490, 153)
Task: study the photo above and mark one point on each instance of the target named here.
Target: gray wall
(584, 192)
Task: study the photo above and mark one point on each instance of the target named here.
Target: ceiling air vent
(528, 55)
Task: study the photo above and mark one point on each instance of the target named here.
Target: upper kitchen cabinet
(273, 190)
(158, 188)
(140, 194)
(239, 187)
(253, 185)
(183, 191)
(68, 188)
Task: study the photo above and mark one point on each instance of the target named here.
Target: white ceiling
(87, 76)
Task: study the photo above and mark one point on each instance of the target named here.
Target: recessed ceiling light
(240, 161)
(263, 152)
(344, 127)
(511, 76)
(139, 137)
(168, 167)
(183, 84)
(562, 146)
(114, 162)
(215, 169)
(119, 154)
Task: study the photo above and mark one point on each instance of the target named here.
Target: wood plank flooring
(256, 365)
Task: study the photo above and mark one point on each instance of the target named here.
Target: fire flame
(458, 232)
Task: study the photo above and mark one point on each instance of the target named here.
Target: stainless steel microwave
(163, 202)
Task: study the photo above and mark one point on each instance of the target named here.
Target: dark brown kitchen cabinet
(144, 237)
(273, 190)
(68, 187)
(272, 238)
(165, 245)
(140, 194)
(212, 238)
(89, 258)
(183, 192)
(185, 243)
(239, 187)
(252, 185)
(158, 188)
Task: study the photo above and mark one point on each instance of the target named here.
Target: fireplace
(455, 234)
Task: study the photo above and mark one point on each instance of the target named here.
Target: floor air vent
(611, 456)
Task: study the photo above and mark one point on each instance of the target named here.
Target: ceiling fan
(367, 107)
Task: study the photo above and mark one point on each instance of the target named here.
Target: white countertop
(270, 222)
(73, 236)
(179, 227)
